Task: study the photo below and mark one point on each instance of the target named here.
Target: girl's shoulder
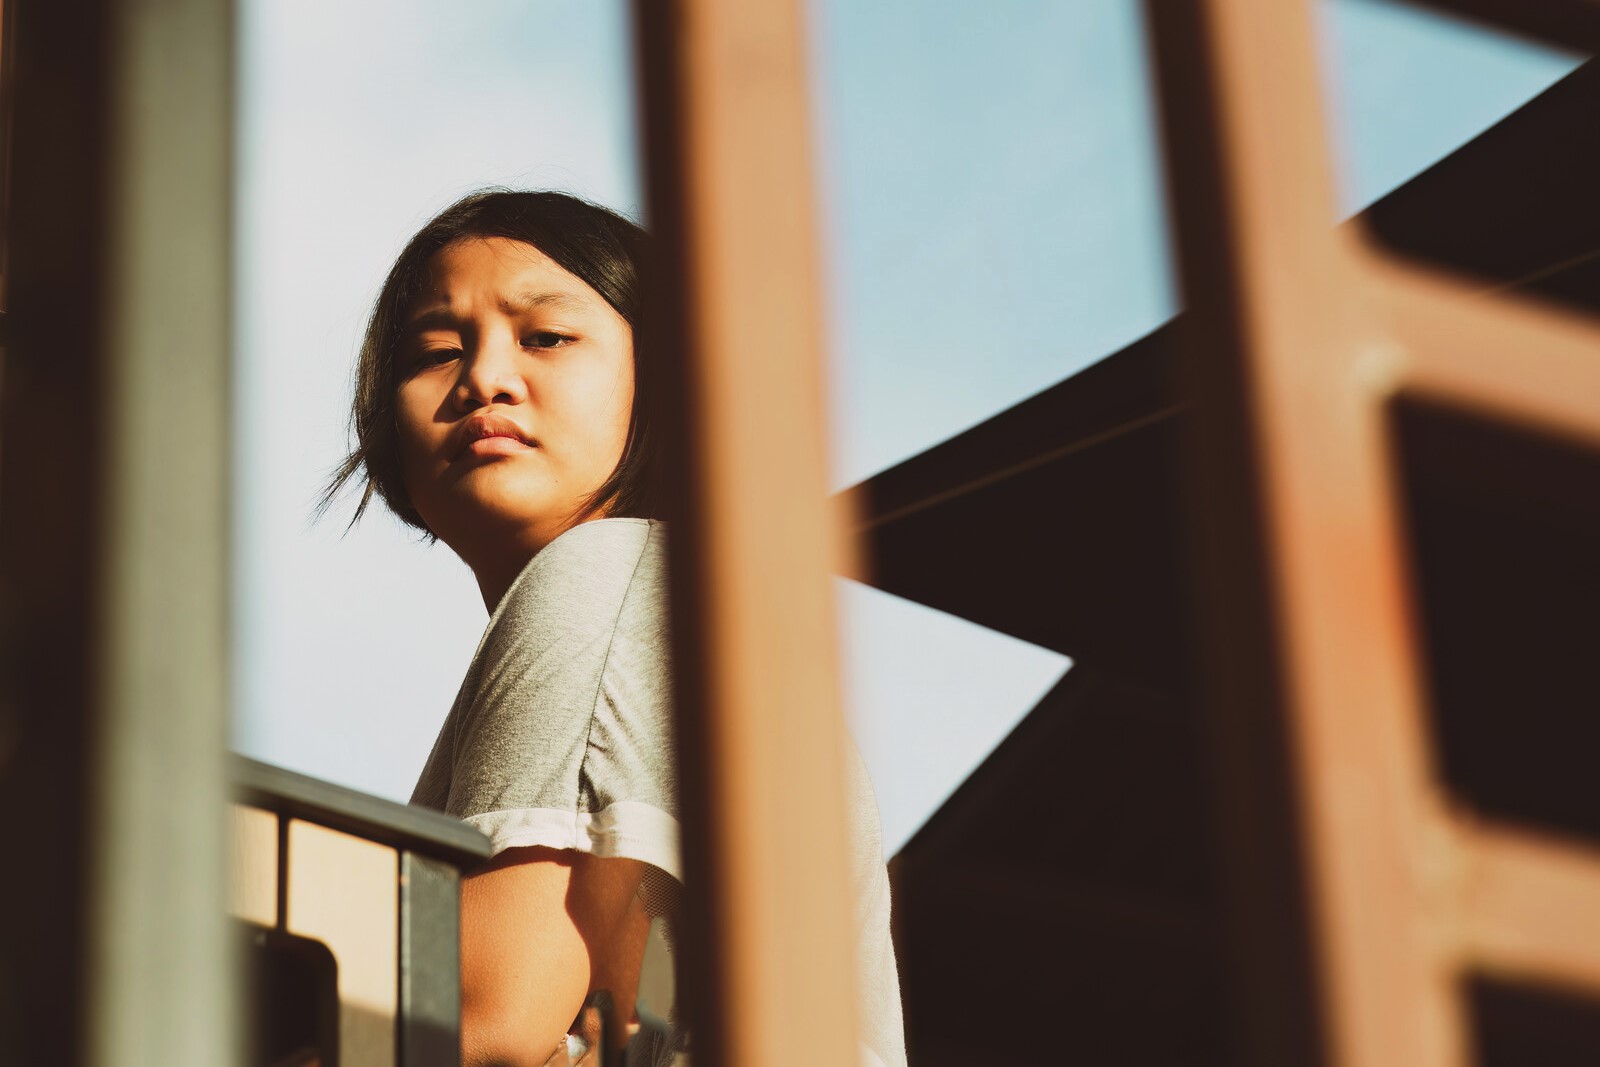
(584, 578)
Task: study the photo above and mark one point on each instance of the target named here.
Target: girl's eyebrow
(440, 316)
(534, 300)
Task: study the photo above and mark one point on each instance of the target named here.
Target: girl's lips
(495, 446)
(476, 436)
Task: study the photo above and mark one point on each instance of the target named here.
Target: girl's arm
(541, 928)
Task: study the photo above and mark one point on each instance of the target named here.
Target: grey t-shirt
(561, 736)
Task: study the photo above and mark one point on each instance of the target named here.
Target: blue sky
(992, 223)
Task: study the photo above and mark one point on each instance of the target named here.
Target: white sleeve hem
(629, 829)
(869, 1058)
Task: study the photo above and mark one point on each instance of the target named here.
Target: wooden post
(113, 562)
(1360, 897)
(770, 978)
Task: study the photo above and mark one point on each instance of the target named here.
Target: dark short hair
(598, 246)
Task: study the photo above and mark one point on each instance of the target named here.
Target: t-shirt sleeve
(562, 734)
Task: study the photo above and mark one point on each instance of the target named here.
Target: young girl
(501, 407)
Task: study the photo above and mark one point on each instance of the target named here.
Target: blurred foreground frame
(114, 450)
(1321, 548)
(1364, 889)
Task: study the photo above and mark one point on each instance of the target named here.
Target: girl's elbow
(493, 1036)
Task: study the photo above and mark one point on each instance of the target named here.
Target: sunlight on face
(515, 395)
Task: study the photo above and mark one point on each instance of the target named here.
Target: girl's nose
(489, 375)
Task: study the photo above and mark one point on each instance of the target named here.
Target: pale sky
(992, 223)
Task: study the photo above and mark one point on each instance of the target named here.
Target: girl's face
(516, 386)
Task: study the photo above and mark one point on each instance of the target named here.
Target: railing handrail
(413, 829)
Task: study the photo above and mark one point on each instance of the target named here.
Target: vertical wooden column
(49, 510)
(7, 93)
(736, 331)
(1311, 691)
(112, 535)
(1360, 896)
(1266, 295)
(162, 992)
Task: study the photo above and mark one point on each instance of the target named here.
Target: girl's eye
(545, 339)
(434, 357)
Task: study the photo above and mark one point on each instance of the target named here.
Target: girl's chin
(518, 515)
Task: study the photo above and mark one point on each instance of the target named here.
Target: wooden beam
(1517, 358)
(771, 979)
(1312, 692)
(1531, 907)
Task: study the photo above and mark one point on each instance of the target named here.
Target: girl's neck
(497, 562)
